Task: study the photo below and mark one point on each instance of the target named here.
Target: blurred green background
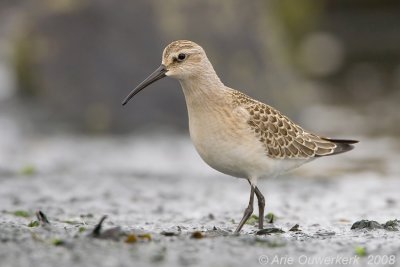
(333, 65)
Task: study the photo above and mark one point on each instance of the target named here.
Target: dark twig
(97, 230)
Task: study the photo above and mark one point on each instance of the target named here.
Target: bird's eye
(181, 57)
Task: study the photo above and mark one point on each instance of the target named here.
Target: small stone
(366, 224)
(169, 233)
(324, 233)
(295, 228)
(268, 231)
(393, 225)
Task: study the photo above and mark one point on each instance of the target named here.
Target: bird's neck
(203, 88)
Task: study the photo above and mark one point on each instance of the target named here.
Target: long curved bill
(155, 76)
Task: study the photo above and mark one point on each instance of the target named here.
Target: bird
(234, 133)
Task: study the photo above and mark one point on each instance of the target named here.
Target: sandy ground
(150, 185)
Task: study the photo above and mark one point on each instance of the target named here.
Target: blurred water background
(332, 65)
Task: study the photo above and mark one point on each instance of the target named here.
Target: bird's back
(282, 138)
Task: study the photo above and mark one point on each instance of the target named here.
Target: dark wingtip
(342, 141)
(343, 145)
(341, 148)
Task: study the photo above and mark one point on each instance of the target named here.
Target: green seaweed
(360, 251)
(28, 170)
(146, 236)
(57, 242)
(21, 213)
(72, 222)
(270, 217)
(33, 224)
(252, 220)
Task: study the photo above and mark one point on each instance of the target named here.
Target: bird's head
(180, 60)
(183, 59)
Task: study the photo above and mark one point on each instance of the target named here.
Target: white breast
(225, 142)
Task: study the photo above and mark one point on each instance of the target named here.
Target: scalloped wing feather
(279, 135)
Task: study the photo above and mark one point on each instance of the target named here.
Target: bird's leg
(261, 206)
(248, 211)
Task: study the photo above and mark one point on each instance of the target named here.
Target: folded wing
(284, 139)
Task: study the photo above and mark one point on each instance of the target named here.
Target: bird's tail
(342, 145)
